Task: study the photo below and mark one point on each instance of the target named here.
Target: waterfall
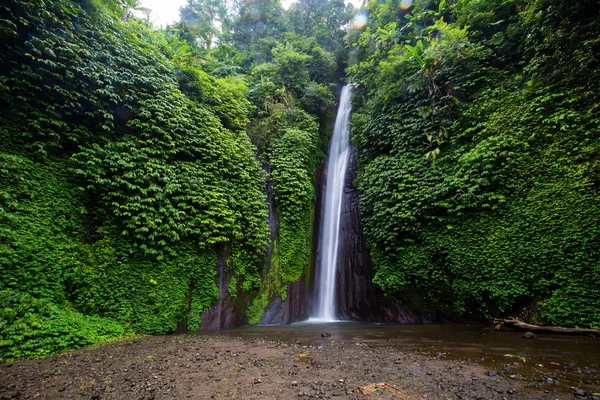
(325, 307)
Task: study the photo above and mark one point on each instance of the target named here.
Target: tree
(203, 22)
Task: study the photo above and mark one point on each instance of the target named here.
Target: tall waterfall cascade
(325, 307)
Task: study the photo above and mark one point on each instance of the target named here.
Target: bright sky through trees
(163, 11)
(167, 11)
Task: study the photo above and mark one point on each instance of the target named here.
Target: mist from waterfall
(325, 308)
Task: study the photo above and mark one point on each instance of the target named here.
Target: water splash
(325, 307)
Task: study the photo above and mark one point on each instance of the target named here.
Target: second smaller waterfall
(325, 307)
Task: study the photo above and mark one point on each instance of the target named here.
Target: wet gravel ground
(203, 367)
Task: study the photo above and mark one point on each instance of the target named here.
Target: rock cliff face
(298, 300)
(280, 312)
(224, 314)
(358, 298)
(228, 313)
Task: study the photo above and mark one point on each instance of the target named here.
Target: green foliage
(478, 178)
(289, 140)
(256, 310)
(292, 161)
(41, 220)
(31, 327)
(126, 165)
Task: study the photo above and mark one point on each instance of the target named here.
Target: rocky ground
(202, 367)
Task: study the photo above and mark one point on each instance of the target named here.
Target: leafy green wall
(478, 142)
(292, 156)
(133, 159)
(124, 166)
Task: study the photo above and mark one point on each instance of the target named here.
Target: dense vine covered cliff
(477, 130)
(127, 170)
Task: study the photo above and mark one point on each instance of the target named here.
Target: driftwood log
(518, 325)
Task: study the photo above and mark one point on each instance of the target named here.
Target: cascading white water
(324, 309)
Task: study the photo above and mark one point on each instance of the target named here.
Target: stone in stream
(529, 335)
(325, 334)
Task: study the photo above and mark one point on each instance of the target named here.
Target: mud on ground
(203, 367)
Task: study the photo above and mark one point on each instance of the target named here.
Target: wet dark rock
(223, 314)
(326, 334)
(358, 297)
(578, 392)
(492, 373)
(529, 335)
(284, 312)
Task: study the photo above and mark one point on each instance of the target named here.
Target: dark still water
(546, 360)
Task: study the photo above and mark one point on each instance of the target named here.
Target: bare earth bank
(202, 367)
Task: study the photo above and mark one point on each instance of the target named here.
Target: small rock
(578, 392)
(257, 380)
(492, 373)
(510, 391)
(294, 383)
(529, 335)
(325, 334)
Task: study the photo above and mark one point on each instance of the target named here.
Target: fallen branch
(519, 325)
